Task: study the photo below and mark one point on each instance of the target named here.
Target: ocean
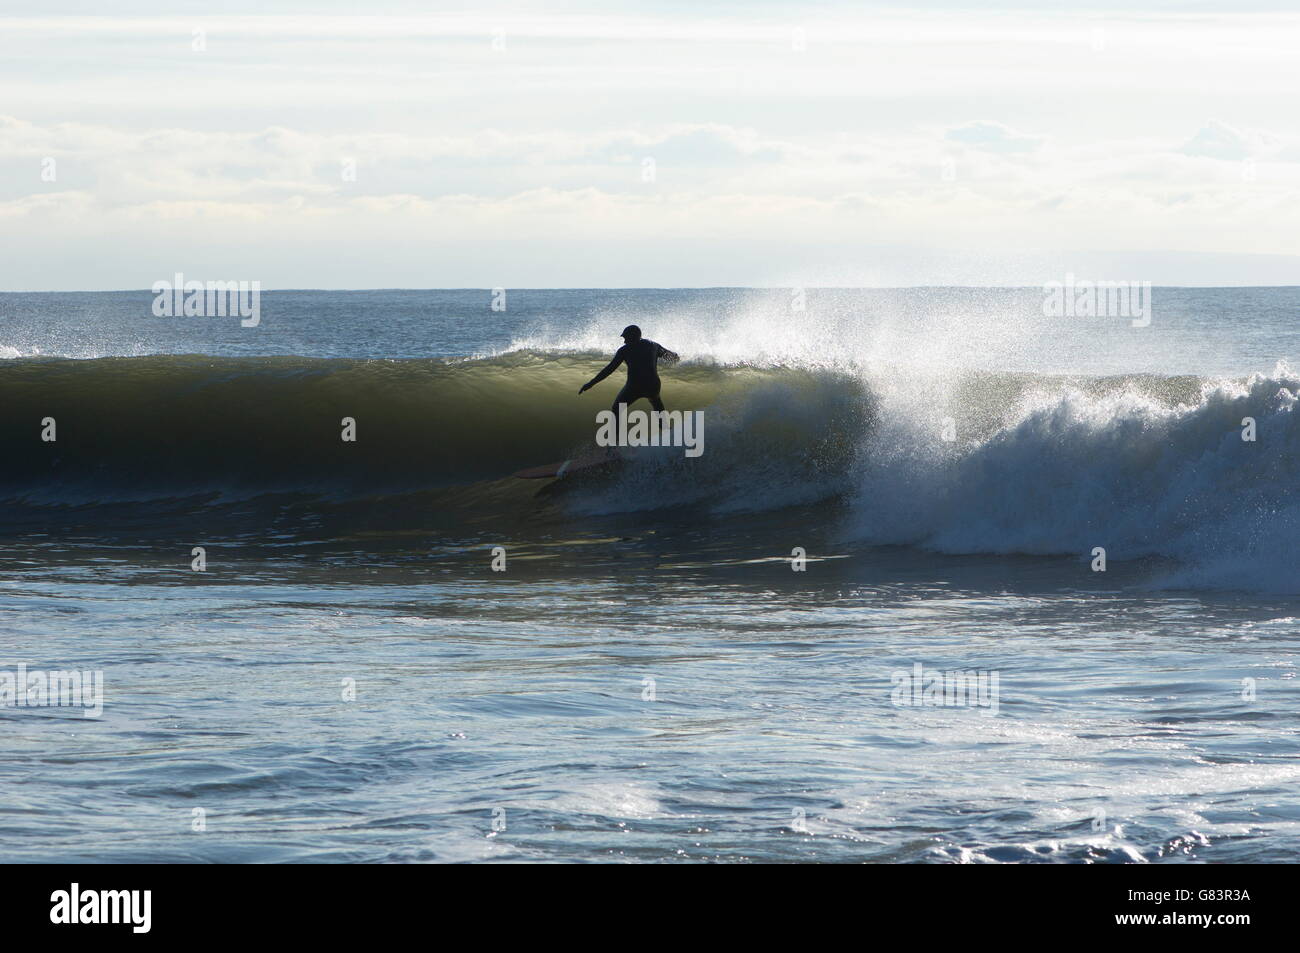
(954, 580)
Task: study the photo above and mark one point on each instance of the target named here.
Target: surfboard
(569, 467)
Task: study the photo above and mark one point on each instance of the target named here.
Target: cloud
(695, 145)
(885, 127)
(992, 137)
(299, 172)
(1218, 140)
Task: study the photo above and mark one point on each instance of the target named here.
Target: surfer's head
(631, 333)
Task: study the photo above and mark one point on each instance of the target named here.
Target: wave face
(141, 428)
(958, 462)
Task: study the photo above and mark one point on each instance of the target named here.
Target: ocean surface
(397, 652)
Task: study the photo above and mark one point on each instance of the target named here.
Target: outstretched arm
(665, 355)
(610, 368)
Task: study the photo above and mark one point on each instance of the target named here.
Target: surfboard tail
(569, 467)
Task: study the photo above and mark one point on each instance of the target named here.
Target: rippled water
(1121, 732)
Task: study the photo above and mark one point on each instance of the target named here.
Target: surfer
(641, 355)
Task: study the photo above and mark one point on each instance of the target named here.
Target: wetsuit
(641, 357)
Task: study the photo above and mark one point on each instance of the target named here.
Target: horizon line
(783, 287)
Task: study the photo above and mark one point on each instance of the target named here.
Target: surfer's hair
(631, 332)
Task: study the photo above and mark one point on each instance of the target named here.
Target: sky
(423, 145)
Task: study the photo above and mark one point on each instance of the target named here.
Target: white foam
(1070, 470)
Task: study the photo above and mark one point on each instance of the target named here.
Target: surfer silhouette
(641, 355)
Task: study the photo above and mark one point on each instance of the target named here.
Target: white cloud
(1002, 131)
(1218, 140)
(993, 137)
